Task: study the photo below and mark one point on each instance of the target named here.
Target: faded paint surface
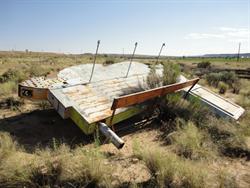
(222, 106)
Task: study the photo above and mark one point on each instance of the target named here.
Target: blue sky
(188, 27)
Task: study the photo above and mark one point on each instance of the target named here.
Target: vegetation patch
(204, 64)
(57, 166)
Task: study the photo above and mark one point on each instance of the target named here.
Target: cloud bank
(226, 33)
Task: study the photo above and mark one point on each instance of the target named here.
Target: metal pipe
(98, 43)
(131, 59)
(238, 56)
(160, 52)
(116, 140)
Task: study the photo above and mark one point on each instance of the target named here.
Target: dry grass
(193, 143)
(196, 141)
(52, 166)
(8, 88)
(171, 170)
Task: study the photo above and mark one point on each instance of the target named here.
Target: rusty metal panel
(140, 97)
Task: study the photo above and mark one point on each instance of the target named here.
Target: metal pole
(98, 43)
(238, 56)
(131, 59)
(114, 138)
(160, 53)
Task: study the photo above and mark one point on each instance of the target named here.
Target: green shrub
(109, 62)
(170, 73)
(222, 87)
(8, 88)
(204, 64)
(227, 77)
(213, 79)
(153, 79)
(38, 70)
(12, 75)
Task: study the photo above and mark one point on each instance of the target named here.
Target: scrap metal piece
(114, 138)
(220, 105)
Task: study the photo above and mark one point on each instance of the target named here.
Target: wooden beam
(136, 98)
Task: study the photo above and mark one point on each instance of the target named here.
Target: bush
(227, 77)
(170, 73)
(153, 79)
(109, 62)
(12, 75)
(222, 87)
(38, 70)
(204, 64)
(8, 88)
(213, 79)
(192, 143)
(11, 103)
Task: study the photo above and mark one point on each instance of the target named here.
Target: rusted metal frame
(186, 94)
(140, 97)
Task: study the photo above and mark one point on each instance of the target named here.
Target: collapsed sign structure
(112, 97)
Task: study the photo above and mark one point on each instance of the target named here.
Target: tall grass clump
(193, 143)
(56, 166)
(169, 169)
(8, 88)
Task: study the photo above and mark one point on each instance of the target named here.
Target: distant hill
(242, 55)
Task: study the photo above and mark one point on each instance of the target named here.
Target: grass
(7, 88)
(193, 137)
(171, 170)
(193, 143)
(54, 166)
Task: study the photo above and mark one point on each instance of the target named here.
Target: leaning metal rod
(98, 43)
(160, 53)
(131, 60)
(238, 55)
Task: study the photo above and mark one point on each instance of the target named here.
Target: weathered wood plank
(142, 96)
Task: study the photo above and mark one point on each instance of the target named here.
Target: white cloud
(203, 36)
(226, 33)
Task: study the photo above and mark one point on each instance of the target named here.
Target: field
(183, 146)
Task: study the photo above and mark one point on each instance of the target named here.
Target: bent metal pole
(160, 52)
(92, 72)
(131, 59)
